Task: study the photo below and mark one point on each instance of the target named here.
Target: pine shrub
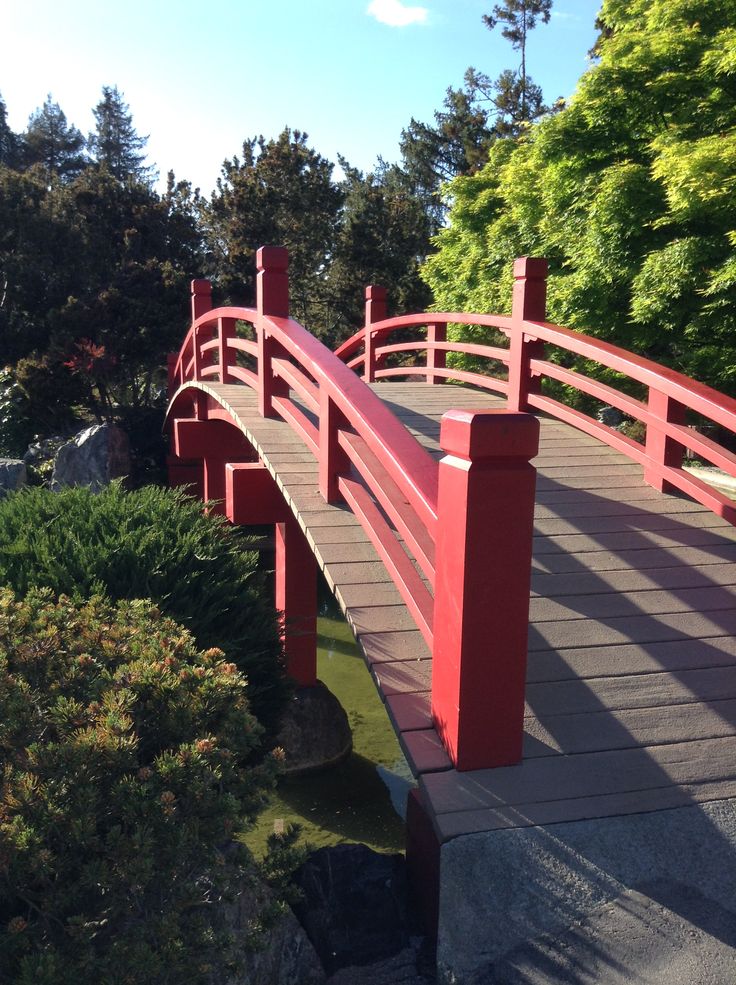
(127, 764)
(157, 544)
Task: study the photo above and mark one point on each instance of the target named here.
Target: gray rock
(611, 416)
(502, 889)
(282, 955)
(92, 458)
(632, 939)
(12, 475)
(315, 732)
(401, 969)
(354, 905)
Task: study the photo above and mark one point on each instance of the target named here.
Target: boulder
(354, 906)
(611, 416)
(92, 458)
(281, 955)
(315, 732)
(12, 475)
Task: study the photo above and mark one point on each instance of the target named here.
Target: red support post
(436, 358)
(253, 497)
(481, 612)
(375, 311)
(529, 303)
(662, 450)
(172, 383)
(272, 290)
(201, 298)
(296, 597)
(332, 459)
(226, 331)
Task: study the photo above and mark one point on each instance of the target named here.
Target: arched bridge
(548, 652)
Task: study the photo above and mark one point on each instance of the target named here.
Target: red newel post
(436, 358)
(481, 612)
(201, 304)
(296, 597)
(529, 303)
(662, 450)
(272, 292)
(375, 311)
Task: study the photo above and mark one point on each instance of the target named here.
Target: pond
(363, 798)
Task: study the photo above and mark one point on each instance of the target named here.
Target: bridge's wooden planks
(631, 695)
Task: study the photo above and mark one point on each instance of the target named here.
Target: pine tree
(51, 142)
(8, 140)
(116, 145)
(518, 100)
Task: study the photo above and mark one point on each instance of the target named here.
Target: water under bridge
(545, 602)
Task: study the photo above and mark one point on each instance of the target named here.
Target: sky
(200, 78)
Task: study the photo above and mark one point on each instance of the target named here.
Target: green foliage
(281, 192)
(116, 145)
(16, 429)
(52, 144)
(627, 191)
(126, 767)
(152, 543)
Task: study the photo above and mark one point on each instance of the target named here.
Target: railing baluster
(226, 331)
(436, 359)
(375, 311)
(272, 289)
(663, 451)
(528, 304)
(332, 459)
(481, 609)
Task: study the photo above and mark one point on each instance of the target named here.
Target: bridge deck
(631, 693)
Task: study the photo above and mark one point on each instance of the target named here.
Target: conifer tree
(51, 142)
(115, 144)
(518, 99)
(8, 140)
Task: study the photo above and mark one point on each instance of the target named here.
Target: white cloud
(396, 14)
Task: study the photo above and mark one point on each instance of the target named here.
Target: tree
(280, 193)
(456, 144)
(627, 191)
(518, 99)
(49, 141)
(8, 140)
(115, 144)
(382, 237)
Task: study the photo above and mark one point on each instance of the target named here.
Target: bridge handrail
(340, 411)
(670, 394)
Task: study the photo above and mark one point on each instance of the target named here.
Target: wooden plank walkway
(631, 684)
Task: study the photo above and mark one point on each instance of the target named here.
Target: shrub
(126, 760)
(151, 543)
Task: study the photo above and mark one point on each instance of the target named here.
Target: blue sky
(201, 77)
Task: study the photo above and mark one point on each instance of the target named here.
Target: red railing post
(375, 311)
(529, 303)
(332, 459)
(272, 291)
(226, 331)
(201, 304)
(436, 358)
(663, 451)
(296, 597)
(481, 609)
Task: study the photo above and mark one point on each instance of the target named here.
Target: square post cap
(530, 268)
(475, 435)
(272, 258)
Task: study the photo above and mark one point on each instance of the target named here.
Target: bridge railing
(668, 398)
(436, 526)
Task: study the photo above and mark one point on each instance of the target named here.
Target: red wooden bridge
(544, 656)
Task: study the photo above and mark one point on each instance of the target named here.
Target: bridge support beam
(484, 546)
(252, 497)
